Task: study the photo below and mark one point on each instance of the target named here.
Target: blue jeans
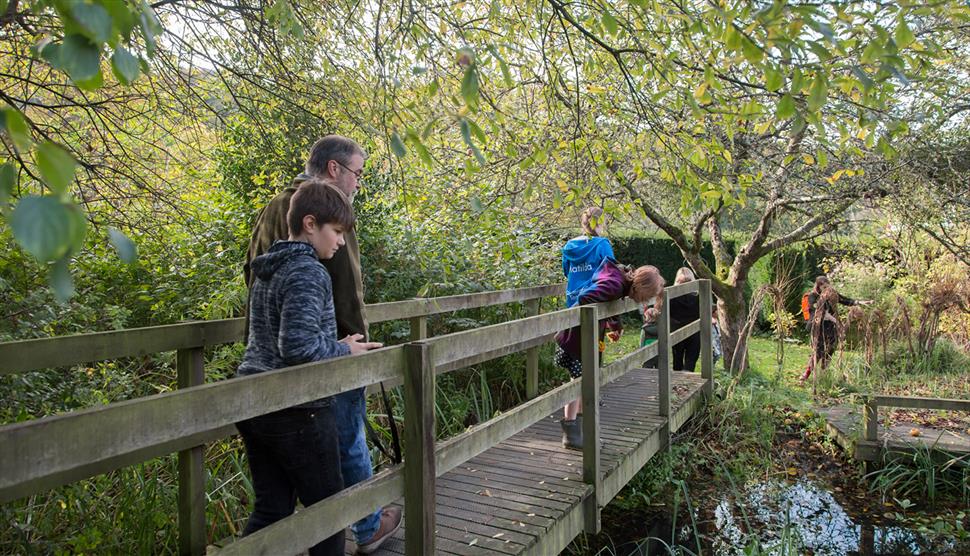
(350, 410)
(292, 453)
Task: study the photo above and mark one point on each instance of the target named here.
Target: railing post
(191, 469)
(532, 355)
(589, 349)
(419, 328)
(707, 354)
(663, 365)
(663, 358)
(419, 450)
(870, 419)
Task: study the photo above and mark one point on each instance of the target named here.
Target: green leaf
(503, 65)
(51, 52)
(797, 81)
(476, 131)
(422, 151)
(818, 94)
(3, 6)
(863, 77)
(56, 166)
(466, 134)
(93, 20)
(732, 38)
(8, 178)
(609, 22)
(786, 107)
(60, 280)
(752, 52)
(78, 228)
(126, 249)
(80, 58)
(476, 204)
(122, 17)
(150, 27)
(773, 79)
(16, 126)
(43, 226)
(397, 146)
(903, 35)
(124, 65)
(469, 86)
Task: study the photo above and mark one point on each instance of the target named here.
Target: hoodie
(581, 257)
(344, 267)
(291, 312)
(609, 283)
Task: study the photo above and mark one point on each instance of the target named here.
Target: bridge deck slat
(533, 482)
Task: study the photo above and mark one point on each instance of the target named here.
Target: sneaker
(390, 522)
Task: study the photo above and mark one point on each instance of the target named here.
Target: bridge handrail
(872, 402)
(55, 450)
(42, 353)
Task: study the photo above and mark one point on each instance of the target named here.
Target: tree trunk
(732, 313)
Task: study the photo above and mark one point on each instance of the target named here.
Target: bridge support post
(191, 469)
(532, 355)
(707, 355)
(589, 348)
(419, 450)
(663, 365)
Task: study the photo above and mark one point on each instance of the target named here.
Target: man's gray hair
(331, 147)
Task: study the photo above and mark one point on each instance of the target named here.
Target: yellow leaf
(792, 471)
(700, 90)
(562, 185)
(808, 159)
(727, 156)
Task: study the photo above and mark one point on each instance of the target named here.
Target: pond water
(785, 518)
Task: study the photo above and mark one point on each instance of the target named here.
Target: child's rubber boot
(572, 433)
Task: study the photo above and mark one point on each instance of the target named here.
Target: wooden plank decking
(844, 424)
(524, 495)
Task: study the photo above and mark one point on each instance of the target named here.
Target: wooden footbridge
(856, 429)
(505, 486)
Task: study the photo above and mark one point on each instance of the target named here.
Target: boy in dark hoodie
(294, 453)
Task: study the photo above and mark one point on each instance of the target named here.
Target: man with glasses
(340, 160)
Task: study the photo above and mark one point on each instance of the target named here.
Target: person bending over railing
(610, 282)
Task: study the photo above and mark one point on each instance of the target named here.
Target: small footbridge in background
(856, 430)
(504, 486)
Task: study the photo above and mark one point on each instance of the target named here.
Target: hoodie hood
(282, 252)
(581, 257)
(582, 249)
(300, 178)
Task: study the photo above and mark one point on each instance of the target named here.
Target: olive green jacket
(344, 267)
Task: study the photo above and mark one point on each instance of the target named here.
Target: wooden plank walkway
(844, 424)
(524, 496)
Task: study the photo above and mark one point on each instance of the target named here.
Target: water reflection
(804, 517)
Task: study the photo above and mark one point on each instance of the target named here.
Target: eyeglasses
(356, 174)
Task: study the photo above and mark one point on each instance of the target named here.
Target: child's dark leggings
(293, 454)
(686, 353)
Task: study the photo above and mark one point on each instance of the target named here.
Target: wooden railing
(52, 451)
(872, 403)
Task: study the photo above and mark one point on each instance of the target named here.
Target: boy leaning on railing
(294, 453)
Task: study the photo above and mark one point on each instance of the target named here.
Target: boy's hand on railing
(356, 346)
